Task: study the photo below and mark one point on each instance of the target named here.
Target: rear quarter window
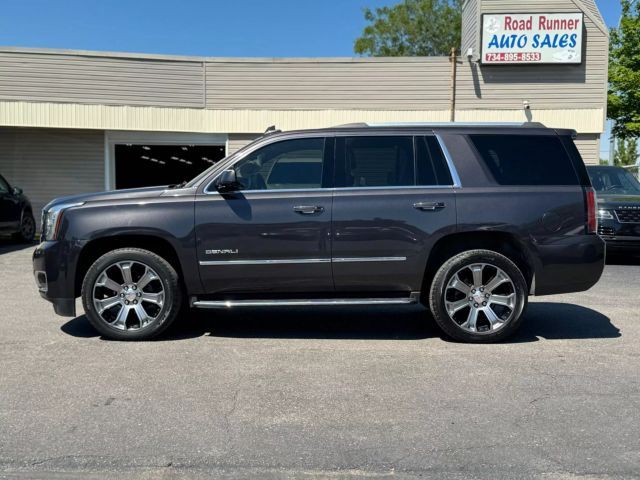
(525, 159)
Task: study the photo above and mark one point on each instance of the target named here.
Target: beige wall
(97, 79)
(50, 163)
(337, 84)
(589, 147)
(238, 140)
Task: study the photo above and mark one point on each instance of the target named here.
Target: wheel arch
(502, 242)
(98, 247)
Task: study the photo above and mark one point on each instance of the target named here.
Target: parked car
(470, 220)
(16, 216)
(618, 193)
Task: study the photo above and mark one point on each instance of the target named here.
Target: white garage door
(49, 163)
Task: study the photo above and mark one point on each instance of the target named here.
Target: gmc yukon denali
(468, 219)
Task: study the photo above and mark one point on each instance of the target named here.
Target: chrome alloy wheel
(480, 298)
(128, 295)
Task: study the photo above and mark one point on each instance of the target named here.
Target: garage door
(49, 163)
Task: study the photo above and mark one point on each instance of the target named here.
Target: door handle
(429, 206)
(308, 209)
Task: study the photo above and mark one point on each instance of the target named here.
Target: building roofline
(598, 20)
(200, 59)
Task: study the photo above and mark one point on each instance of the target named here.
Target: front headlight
(51, 219)
(605, 215)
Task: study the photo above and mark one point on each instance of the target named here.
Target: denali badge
(226, 251)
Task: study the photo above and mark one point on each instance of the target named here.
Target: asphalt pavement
(322, 392)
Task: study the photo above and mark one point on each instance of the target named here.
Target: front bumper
(54, 266)
(620, 237)
(622, 244)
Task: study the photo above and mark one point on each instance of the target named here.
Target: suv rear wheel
(131, 294)
(478, 296)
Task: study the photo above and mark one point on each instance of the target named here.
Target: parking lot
(309, 393)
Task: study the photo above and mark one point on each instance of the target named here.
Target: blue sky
(197, 27)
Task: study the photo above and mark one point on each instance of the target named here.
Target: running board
(304, 302)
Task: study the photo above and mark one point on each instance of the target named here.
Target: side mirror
(227, 181)
(17, 191)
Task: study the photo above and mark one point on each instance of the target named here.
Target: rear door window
(390, 161)
(378, 161)
(525, 159)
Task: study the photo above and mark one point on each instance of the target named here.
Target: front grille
(628, 214)
(606, 231)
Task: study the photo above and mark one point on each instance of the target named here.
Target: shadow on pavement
(551, 321)
(563, 321)
(8, 245)
(622, 259)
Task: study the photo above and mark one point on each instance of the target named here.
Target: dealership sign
(532, 38)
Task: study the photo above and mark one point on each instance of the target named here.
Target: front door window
(292, 164)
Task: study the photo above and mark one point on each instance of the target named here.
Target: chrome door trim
(266, 261)
(368, 259)
(285, 261)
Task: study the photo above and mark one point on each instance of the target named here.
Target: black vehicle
(16, 216)
(467, 219)
(618, 193)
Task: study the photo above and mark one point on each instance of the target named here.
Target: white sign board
(532, 38)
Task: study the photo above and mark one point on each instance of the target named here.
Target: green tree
(626, 152)
(624, 72)
(411, 28)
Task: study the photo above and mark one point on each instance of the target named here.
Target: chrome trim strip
(405, 187)
(304, 302)
(343, 189)
(368, 259)
(302, 261)
(266, 262)
(449, 159)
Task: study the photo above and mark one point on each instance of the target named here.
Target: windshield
(614, 180)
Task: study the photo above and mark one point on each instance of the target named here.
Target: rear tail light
(592, 221)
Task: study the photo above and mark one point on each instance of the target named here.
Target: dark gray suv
(468, 219)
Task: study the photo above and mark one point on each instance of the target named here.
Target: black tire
(453, 326)
(166, 275)
(27, 228)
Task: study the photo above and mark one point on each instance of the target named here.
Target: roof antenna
(271, 129)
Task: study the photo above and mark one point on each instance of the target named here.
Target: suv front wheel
(131, 294)
(478, 296)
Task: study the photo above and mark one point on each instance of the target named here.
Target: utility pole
(454, 66)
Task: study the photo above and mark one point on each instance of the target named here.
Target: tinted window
(525, 159)
(378, 161)
(430, 162)
(614, 180)
(283, 165)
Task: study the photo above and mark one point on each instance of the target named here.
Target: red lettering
(507, 23)
(542, 23)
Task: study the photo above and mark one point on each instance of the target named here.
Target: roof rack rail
(270, 130)
(442, 124)
(353, 125)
